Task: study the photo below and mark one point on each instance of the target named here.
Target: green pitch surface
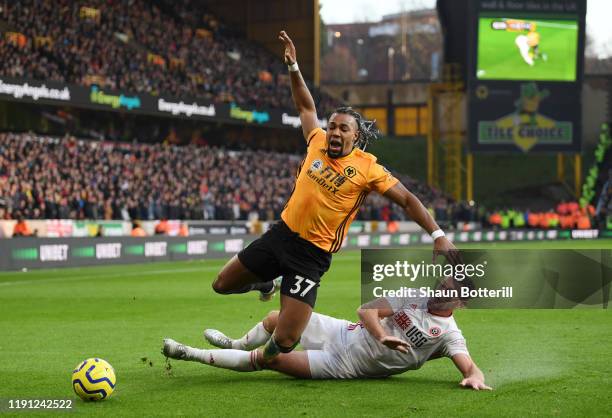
(540, 362)
(499, 57)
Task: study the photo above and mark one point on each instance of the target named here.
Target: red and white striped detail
(253, 359)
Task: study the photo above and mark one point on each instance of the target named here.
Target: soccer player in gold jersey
(333, 180)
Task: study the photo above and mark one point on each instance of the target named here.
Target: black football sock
(264, 287)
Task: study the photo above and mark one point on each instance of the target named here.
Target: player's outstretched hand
(474, 383)
(395, 343)
(442, 246)
(290, 54)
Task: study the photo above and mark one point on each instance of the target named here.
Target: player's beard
(340, 152)
(339, 148)
(333, 154)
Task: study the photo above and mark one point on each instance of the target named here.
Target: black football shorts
(282, 252)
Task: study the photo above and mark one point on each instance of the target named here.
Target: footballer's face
(445, 304)
(342, 132)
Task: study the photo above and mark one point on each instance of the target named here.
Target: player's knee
(287, 340)
(219, 286)
(270, 321)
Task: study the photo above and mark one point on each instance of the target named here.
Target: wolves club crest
(350, 171)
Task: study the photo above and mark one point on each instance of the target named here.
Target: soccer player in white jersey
(393, 335)
(528, 46)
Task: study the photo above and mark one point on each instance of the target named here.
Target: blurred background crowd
(65, 178)
(174, 48)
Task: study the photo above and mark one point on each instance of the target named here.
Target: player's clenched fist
(290, 54)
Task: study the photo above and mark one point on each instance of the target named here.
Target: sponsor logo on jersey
(402, 320)
(414, 335)
(325, 176)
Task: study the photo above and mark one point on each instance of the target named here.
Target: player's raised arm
(302, 98)
(419, 214)
(473, 378)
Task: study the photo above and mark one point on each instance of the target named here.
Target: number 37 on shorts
(300, 288)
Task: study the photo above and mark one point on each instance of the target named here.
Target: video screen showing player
(527, 49)
(529, 46)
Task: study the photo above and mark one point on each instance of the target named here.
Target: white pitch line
(130, 274)
(110, 276)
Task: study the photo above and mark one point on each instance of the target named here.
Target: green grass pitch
(499, 57)
(540, 362)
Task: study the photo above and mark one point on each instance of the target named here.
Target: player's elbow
(410, 202)
(362, 312)
(307, 111)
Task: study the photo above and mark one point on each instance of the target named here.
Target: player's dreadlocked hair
(367, 128)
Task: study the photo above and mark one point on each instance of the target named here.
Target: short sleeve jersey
(428, 335)
(328, 192)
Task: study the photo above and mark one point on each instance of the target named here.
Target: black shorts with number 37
(281, 252)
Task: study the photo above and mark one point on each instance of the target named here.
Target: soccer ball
(93, 379)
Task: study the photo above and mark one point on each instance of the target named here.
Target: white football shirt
(427, 335)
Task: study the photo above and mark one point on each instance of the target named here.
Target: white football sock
(256, 337)
(238, 360)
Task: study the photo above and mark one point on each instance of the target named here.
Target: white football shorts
(324, 341)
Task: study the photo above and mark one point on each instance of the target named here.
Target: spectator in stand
(544, 217)
(495, 219)
(183, 230)
(518, 219)
(137, 230)
(563, 208)
(505, 219)
(584, 222)
(533, 219)
(553, 219)
(162, 227)
(21, 228)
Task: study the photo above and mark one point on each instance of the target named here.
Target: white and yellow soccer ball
(94, 379)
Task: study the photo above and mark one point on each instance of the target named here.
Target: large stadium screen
(513, 48)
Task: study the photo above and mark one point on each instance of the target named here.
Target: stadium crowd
(567, 215)
(65, 178)
(141, 46)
